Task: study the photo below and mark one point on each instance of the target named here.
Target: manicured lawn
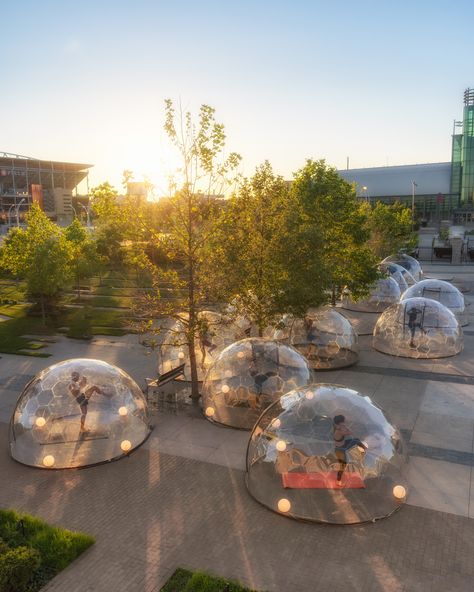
(184, 580)
(32, 552)
(12, 331)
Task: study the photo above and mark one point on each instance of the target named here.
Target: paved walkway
(180, 499)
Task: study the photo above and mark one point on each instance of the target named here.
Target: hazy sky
(378, 81)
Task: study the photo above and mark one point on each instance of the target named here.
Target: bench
(164, 389)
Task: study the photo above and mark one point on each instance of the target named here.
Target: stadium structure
(50, 184)
(436, 191)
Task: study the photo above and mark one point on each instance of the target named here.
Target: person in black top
(82, 393)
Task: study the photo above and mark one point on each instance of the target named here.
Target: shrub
(17, 567)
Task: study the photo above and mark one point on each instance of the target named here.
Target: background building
(24, 180)
(437, 191)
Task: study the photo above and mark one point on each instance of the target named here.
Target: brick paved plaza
(180, 500)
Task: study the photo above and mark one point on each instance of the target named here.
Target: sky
(379, 82)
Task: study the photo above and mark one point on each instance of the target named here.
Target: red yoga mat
(349, 480)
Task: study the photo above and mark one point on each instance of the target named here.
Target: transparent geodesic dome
(401, 275)
(247, 377)
(324, 337)
(409, 263)
(78, 413)
(215, 333)
(418, 328)
(443, 292)
(383, 293)
(327, 453)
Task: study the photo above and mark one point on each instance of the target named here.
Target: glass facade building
(463, 151)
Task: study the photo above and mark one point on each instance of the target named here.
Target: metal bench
(163, 391)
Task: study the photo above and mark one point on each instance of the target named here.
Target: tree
(327, 203)
(85, 260)
(205, 173)
(391, 228)
(259, 256)
(41, 255)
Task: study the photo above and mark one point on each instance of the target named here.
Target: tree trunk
(194, 374)
(78, 285)
(333, 295)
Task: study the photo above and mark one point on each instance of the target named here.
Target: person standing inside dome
(82, 393)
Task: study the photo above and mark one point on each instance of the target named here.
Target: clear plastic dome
(216, 332)
(443, 292)
(401, 275)
(418, 328)
(247, 377)
(324, 337)
(328, 454)
(78, 413)
(384, 293)
(409, 263)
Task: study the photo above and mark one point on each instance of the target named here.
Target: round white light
(181, 355)
(276, 423)
(241, 354)
(48, 460)
(399, 492)
(281, 445)
(310, 395)
(123, 411)
(284, 505)
(40, 422)
(210, 411)
(225, 388)
(125, 445)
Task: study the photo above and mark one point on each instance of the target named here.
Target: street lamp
(17, 209)
(9, 214)
(366, 194)
(413, 185)
(87, 210)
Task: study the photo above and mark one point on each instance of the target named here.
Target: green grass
(116, 292)
(57, 547)
(12, 331)
(85, 322)
(184, 580)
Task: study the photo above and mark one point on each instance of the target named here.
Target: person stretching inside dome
(82, 393)
(344, 441)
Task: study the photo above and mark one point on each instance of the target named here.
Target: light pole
(366, 194)
(86, 209)
(17, 209)
(413, 185)
(9, 214)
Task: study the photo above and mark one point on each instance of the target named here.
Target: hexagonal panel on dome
(401, 275)
(443, 292)
(78, 413)
(383, 294)
(326, 453)
(418, 328)
(409, 263)
(216, 332)
(325, 337)
(247, 377)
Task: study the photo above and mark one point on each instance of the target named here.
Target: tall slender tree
(204, 176)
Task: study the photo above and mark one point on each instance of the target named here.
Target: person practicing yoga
(82, 393)
(343, 442)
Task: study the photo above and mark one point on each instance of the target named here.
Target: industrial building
(436, 191)
(24, 180)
